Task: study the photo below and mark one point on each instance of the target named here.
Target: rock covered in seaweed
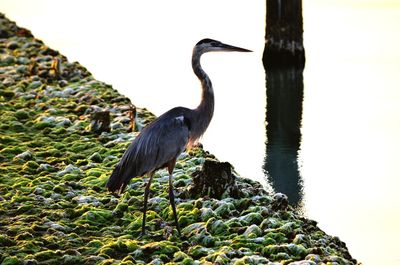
(54, 208)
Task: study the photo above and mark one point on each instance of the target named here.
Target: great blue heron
(161, 142)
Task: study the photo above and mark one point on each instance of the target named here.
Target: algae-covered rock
(207, 213)
(216, 227)
(158, 248)
(251, 260)
(293, 251)
(6, 241)
(12, 260)
(21, 114)
(96, 157)
(253, 231)
(56, 155)
(27, 155)
(199, 251)
(46, 255)
(251, 218)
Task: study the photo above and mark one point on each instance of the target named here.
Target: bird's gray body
(162, 141)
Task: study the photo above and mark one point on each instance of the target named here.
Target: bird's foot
(179, 231)
(142, 235)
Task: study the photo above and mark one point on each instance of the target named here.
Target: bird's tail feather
(116, 180)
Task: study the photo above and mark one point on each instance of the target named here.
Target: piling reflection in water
(283, 119)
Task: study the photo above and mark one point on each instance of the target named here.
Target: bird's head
(209, 45)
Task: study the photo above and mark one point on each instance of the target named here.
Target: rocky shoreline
(54, 162)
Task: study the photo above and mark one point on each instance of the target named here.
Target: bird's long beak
(228, 47)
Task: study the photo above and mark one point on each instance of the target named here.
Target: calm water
(327, 136)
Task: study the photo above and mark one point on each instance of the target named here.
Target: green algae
(199, 251)
(54, 208)
(216, 227)
(11, 260)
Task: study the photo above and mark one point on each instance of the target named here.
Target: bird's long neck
(204, 112)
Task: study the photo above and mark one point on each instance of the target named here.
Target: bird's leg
(146, 196)
(172, 201)
(171, 166)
